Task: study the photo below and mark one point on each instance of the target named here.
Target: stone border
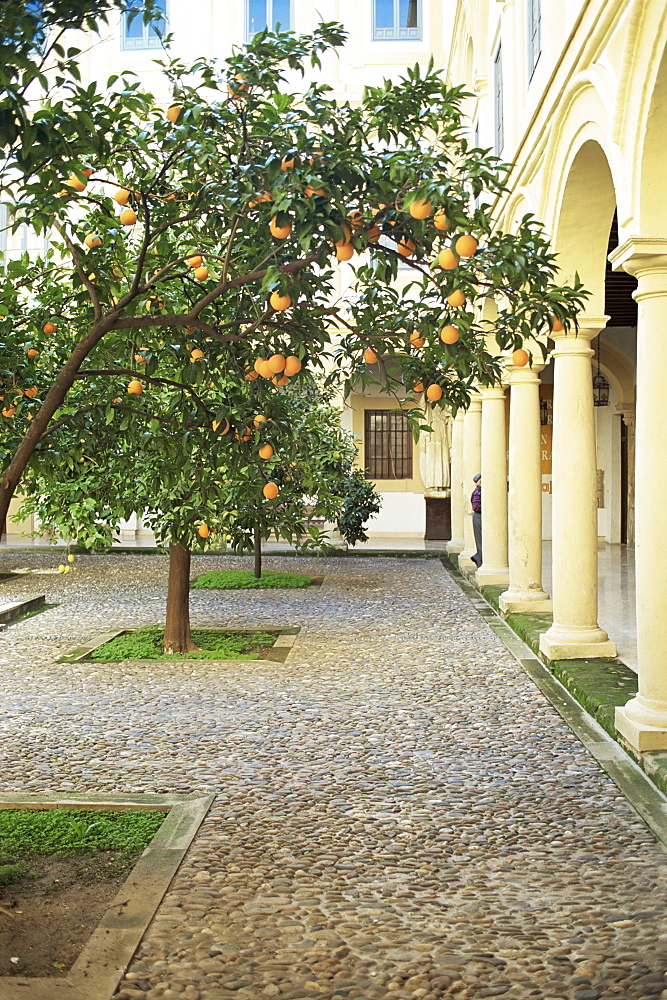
(106, 955)
(14, 609)
(278, 652)
(641, 792)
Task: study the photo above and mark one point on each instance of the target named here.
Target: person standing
(476, 503)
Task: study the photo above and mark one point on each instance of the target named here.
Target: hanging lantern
(601, 389)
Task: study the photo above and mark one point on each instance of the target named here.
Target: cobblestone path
(400, 813)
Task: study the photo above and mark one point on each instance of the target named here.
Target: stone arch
(586, 211)
(652, 202)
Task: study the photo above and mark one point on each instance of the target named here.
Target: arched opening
(652, 202)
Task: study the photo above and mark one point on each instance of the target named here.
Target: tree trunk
(258, 552)
(177, 636)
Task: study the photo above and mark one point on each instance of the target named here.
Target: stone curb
(14, 609)
(637, 787)
(101, 965)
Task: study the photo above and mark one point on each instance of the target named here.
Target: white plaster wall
(402, 514)
(607, 430)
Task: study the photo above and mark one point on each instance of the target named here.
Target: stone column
(455, 545)
(575, 633)
(472, 458)
(494, 569)
(524, 593)
(643, 721)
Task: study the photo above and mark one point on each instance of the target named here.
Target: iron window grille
(498, 96)
(387, 445)
(534, 34)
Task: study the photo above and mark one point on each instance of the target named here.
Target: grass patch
(27, 834)
(146, 644)
(220, 579)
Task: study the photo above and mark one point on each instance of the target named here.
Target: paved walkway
(400, 813)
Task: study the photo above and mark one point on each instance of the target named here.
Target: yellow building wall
(359, 404)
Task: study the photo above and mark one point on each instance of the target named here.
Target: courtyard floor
(399, 812)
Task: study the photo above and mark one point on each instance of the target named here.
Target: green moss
(244, 580)
(67, 831)
(147, 643)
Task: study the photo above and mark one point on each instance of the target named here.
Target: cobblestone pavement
(400, 813)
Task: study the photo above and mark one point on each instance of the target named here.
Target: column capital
(578, 341)
(493, 392)
(475, 403)
(627, 411)
(527, 374)
(638, 254)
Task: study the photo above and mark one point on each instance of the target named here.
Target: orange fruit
(201, 273)
(457, 298)
(250, 376)
(32, 353)
(288, 163)
(279, 302)
(271, 491)
(447, 260)
(49, 328)
(406, 247)
(195, 261)
(556, 325)
(416, 340)
(520, 358)
(238, 86)
(266, 451)
(247, 433)
(173, 113)
(75, 183)
(31, 392)
(309, 191)
(449, 334)
(466, 245)
(418, 387)
(258, 365)
(9, 411)
(292, 365)
(92, 240)
(196, 354)
(262, 196)
(440, 220)
(420, 209)
(216, 424)
(87, 172)
(280, 380)
(347, 235)
(259, 420)
(265, 370)
(345, 252)
(373, 234)
(135, 388)
(434, 392)
(140, 359)
(122, 196)
(276, 363)
(128, 217)
(280, 232)
(203, 531)
(370, 357)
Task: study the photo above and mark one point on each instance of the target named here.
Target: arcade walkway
(399, 813)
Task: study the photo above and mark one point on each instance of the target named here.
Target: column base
(525, 602)
(562, 642)
(454, 547)
(492, 576)
(466, 564)
(641, 737)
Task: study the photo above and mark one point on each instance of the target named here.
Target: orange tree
(216, 225)
(216, 456)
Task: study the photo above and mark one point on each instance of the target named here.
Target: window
(396, 20)
(534, 34)
(387, 445)
(498, 94)
(263, 14)
(136, 34)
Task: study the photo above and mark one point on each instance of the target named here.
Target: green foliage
(147, 644)
(360, 503)
(64, 831)
(244, 580)
(13, 873)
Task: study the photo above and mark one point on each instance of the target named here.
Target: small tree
(274, 459)
(217, 225)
